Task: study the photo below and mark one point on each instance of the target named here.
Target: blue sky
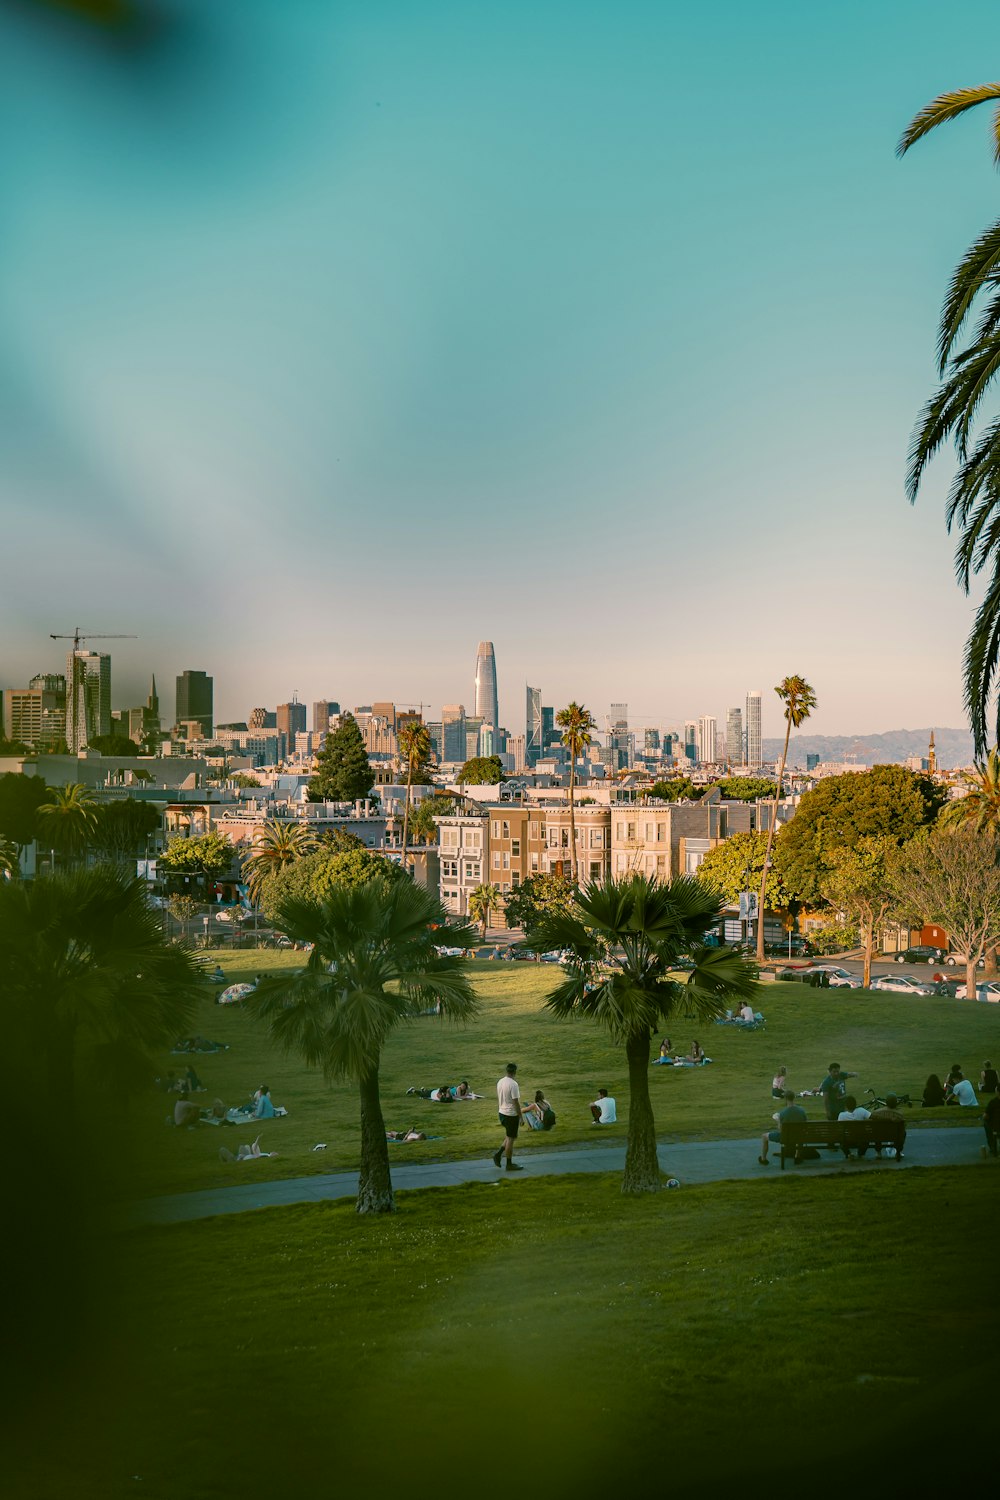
(339, 337)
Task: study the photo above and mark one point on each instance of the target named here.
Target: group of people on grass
(957, 1089)
(838, 1105)
(668, 1058)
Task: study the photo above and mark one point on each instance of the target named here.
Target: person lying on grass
(245, 1153)
(413, 1134)
(446, 1093)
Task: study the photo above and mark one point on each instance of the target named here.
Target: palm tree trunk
(406, 807)
(642, 1169)
(572, 817)
(374, 1180)
(770, 842)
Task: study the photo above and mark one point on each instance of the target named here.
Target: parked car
(920, 955)
(524, 954)
(837, 979)
(840, 979)
(903, 984)
(990, 991)
(957, 961)
(800, 948)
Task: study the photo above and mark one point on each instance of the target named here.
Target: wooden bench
(848, 1135)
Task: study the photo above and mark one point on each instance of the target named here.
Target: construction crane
(71, 705)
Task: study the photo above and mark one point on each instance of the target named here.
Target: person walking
(509, 1109)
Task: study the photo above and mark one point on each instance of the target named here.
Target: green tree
(339, 841)
(208, 855)
(951, 876)
(577, 727)
(799, 700)
(745, 788)
(20, 798)
(482, 902)
(967, 367)
(677, 789)
(317, 876)
(415, 748)
(68, 819)
(980, 807)
(646, 927)
(481, 770)
(113, 744)
(274, 847)
(859, 886)
(841, 810)
(343, 772)
(534, 899)
(244, 780)
(90, 981)
(13, 749)
(122, 828)
(373, 965)
(737, 864)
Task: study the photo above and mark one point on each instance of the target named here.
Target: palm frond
(944, 108)
(981, 659)
(978, 269)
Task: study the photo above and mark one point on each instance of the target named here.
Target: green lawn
(891, 1041)
(736, 1337)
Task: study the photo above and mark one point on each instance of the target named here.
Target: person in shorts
(789, 1113)
(509, 1109)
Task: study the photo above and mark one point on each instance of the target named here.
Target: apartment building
(593, 843)
(463, 849)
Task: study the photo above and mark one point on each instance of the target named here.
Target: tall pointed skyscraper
(487, 707)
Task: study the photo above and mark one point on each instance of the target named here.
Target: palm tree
(67, 822)
(577, 725)
(973, 504)
(89, 977)
(373, 965)
(799, 700)
(275, 846)
(625, 938)
(415, 746)
(10, 864)
(980, 807)
(481, 903)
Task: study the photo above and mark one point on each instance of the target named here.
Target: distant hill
(953, 746)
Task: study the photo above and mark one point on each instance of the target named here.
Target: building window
(620, 835)
(449, 838)
(506, 860)
(515, 879)
(621, 863)
(505, 834)
(449, 869)
(631, 832)
(661, 833)
(515, 848)
(473, 838)
(661, 866)
(472, 872)
(564, 841)
(533, 830)
(496, 859)
(534, 862)
(597, 838)
(595, 871)
(496, 828)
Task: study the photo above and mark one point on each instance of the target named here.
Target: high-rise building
(322, 712)
(651, 741)
(755, 757)
(291, 718)
(487, 706)
(88, 697)
(690, 740)
(708, 732)
(194, 700)
(533, 726)
(386, 711)
(734, 736)
(36, 715)
(262, 718)
(516, 749)
(453, 746)
(551, 733)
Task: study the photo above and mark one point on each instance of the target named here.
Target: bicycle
(876, 1101)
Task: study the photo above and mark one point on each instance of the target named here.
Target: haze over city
(321, 365)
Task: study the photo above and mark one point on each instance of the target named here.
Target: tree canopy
(315, 877)
(535, 899)
(951, 876)
(343, 771)
(209, 855)
(482, 770)
(113, 744)
(20, 798)
(745, 788)
(886, 801)
(677, 789)
(122, 828)
(424, 818)
(736, 865)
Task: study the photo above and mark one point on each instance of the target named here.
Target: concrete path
(690, 1161)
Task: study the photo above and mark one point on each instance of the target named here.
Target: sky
(336, 338)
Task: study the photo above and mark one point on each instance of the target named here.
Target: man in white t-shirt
(603, 1109)
(509, 1109)
(962, 1091)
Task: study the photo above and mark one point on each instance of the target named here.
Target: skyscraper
(291, 718)
(88, 697)
(533, 726)
(707, 735)
(323, 710)
(755, 757)
(734, 736)
(194, 700)
(690, 740)
(487, 707)
(453, 745)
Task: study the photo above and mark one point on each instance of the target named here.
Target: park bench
(849, 1135)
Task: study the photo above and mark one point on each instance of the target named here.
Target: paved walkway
(691, 1161)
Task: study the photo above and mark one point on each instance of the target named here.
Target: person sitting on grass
(962, 1092)
(988, 1080)
(539, 1115)
(603, 1109)
(790, 1114)
(194, 1083)
(697, 1053)
(933, 1096)
(779, 1083)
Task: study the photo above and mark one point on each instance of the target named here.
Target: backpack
(548, 1118)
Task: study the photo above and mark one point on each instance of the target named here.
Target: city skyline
(342, 337)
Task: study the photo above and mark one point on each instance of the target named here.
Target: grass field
(549, 1335)
(892, 1041)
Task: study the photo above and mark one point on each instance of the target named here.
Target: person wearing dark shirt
(988, 1080)
(933, 1093)
(991, 1125)
(833, 1088)
(890, 1111)
(792, 1112)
